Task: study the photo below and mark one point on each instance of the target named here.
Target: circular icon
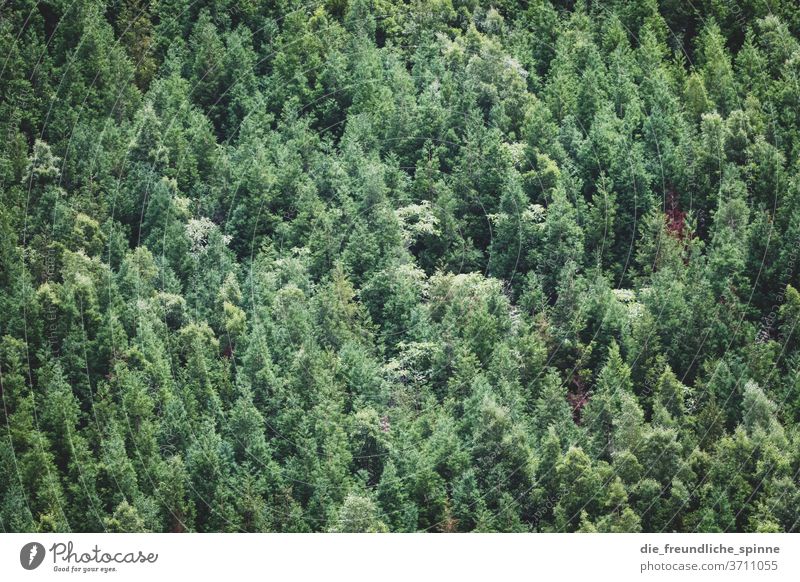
(31, 555)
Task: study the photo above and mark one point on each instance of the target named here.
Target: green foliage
(399, 266)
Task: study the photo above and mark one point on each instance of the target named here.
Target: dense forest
(399, 265)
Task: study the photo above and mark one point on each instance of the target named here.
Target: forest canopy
(399, 265)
